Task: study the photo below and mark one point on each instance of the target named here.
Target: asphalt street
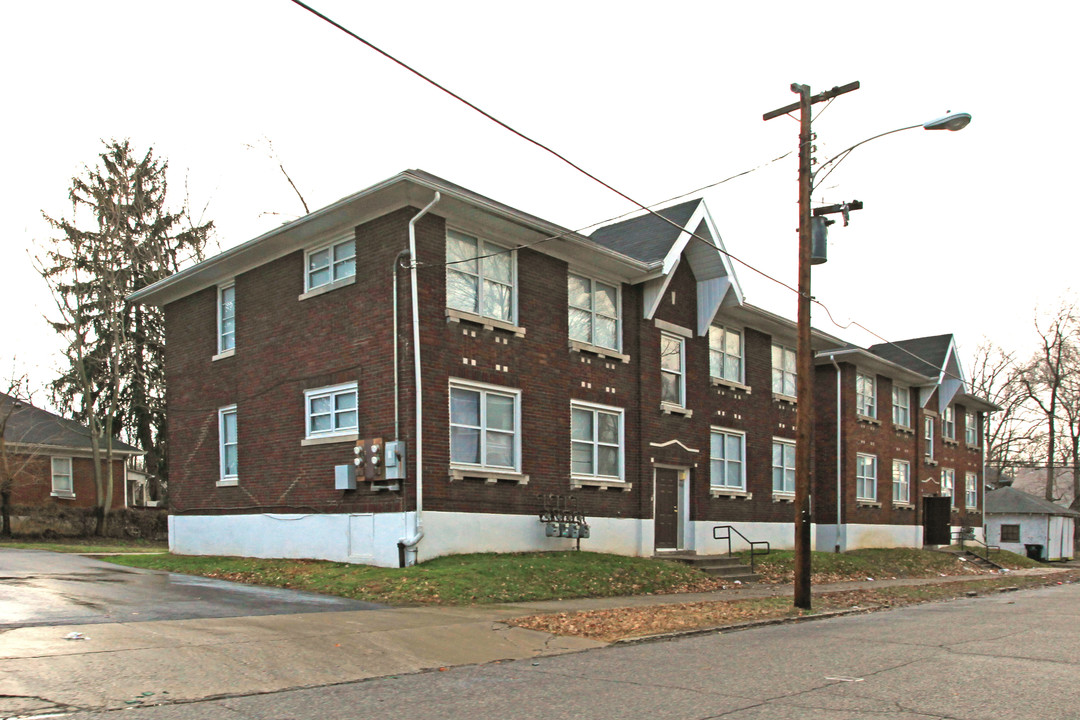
(1014, 656)
(45, 588)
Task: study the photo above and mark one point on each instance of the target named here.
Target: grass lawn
(89, 545)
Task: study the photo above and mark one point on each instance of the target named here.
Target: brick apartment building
(624, 369)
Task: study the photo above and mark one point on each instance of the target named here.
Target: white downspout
(839, 465)
(413, 539)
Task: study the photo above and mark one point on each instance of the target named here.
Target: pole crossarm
(820, 97)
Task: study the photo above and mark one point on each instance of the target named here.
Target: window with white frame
(866, 395)
(596, 441)
(971, 429)
(226, 318)
(728, 467)
(901, 406)
(783, 467)
(672, 365)
(331, 411)
(971, 490)
(948, 423)
(594, 312)
(480, 277)
(901, 481)
(228, 445)
(331, 263)
(865, 477)
(62, 483)
(783, 371)
(928, 434)
(725, 353)
(948, 482)
(485, 426)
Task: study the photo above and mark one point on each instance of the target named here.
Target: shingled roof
(1010, 501)
(647, 237)
(926, 355)
(29, 425)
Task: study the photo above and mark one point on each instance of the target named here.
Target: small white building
(1018, 521)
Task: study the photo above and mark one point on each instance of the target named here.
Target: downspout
(397, 390)
(409, 542)
(839, 465)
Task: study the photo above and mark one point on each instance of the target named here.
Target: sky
(965, 232)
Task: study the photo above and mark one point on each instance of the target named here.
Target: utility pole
(804, 418)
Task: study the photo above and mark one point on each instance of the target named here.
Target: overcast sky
(964, 232)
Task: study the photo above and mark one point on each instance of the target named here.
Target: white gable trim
(655, 289)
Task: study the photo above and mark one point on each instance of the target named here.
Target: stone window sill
(785, 398)
(224, 354)
(330, 440)
(950, 442)
(490, 477)
(867, 504)
(329, 287)
(867, 419)
(603, 352)
(723, 492)
(973, 448)
(576, 483)
(487, 323)
(63, 495)
(903, 506)
(721, 382)
(904, 429)
(227, 482)
(783, 497)
(931, 462)
(673, 409)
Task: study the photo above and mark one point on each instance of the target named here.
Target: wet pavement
(45, 588)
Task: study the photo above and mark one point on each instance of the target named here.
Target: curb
(750, 625)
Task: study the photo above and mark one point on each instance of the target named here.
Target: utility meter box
(345, 477)
(395, 460)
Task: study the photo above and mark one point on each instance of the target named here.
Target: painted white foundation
(1054, 533)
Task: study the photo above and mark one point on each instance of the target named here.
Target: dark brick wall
(33, 482)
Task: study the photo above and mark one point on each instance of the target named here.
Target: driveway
(46, 588)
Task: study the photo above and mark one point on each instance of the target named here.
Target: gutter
(839, 465)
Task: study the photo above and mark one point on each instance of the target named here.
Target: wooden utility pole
(804, 418)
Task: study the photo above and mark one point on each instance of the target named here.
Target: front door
(936, 519)
(666, 513)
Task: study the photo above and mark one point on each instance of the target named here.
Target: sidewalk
(128, 664)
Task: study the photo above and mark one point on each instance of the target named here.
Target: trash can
(1034, 551)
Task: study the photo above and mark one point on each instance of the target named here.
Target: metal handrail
(967, 534)
(752, 543)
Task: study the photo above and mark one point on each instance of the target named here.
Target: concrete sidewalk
(128, 664)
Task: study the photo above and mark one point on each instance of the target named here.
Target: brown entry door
(936, 520)
(666, 520)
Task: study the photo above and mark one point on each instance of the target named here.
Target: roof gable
(647, 238)
(1010, 501)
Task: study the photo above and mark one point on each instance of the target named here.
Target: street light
(804, 417)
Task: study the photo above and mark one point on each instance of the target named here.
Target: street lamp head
(952, 121)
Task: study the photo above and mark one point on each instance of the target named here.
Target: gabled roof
(1010, 501)
(647, 238)
(925, 356)
(29, 425)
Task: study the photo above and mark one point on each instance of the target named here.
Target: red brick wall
(33, 486)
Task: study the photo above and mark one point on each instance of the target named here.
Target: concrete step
(720, 566)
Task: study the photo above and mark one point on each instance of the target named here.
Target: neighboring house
(624, 369)
(1029, 525)
(51, 461)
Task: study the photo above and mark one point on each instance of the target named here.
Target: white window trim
(223, 478)
(741, 487)
(332, 391)
(948, 423)
(681, 373)
(971, 429)
(898, 500)
(66, 494)
(928, 436)
(866, 406)
(741, 380)
(583, 405)
(858, 477)
(971, 489)
(782, 493)
(484, 388)
(592, 313)
(223, 352)
(332, 284)
(479, 316)
(906, 393)
(952, 484)
(785, 349)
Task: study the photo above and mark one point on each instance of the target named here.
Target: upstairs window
(62, 484)
(783, 467)
(783, 371)
(866, 477)
(331, 263)
(971, 429)
(727, 469)
(672, 375)
(226, 318)
(596, 441)
(725, 354)
(594, 312)
(901, 481)
(866, 395)
(928, 433)
(901, 406)
(948, 423)
(331, 411)
(480, 277)
(484, 426)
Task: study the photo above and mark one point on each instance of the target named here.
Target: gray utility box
(395, 460)
(345, 477)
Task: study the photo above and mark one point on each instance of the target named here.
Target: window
(866, 395)
(484, 422)
(928, 427)
(783, 467)
(948, 423)
(331, 263)
(62, 484)
(479, 277)
(725, 354)
(783, 371)
(594, 312)
(901, 481)
(727, 468)
(226, 318)
(331, 411)
(866, 477)
(596, 440)
(948, 482)
(227, 445)
(971, 429)
(1010, 533)
(672, 381)
(901, 406)
(971, 490)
